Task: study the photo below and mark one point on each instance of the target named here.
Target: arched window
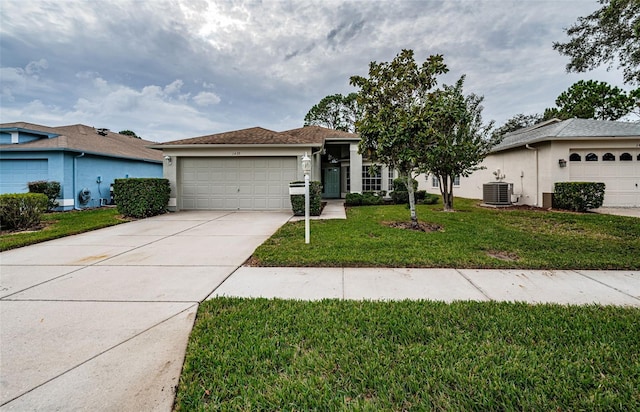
(608, 157)
(575, 157)
(591, 157)
(626, 157)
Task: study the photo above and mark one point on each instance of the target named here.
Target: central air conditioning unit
(497, 193)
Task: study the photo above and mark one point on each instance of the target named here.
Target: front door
(331, 182)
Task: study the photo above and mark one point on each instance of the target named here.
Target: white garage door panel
(621, 178)
(236, 183)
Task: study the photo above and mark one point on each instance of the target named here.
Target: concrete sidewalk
(533, 286)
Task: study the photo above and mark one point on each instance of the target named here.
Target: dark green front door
(331, 182)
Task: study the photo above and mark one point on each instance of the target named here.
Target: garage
(18, 172)
(236, 183)
(619, 170)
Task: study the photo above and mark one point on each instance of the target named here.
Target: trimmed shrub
(21, 210)
(141, 197)
(430, 199)
(400, 197)
(420, 195)
(353, 199)
(578, 196)
(371, 198)
(50, 189)
(400, 185)
(315, 200)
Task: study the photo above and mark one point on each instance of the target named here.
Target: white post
(306, 169)
(307, 232)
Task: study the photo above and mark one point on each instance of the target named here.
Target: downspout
(75, 160)
(537, 176)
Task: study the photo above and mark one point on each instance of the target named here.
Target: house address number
(235, 153)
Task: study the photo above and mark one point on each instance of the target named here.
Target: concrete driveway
(100, 321)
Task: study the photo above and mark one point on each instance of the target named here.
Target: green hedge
(400, 184)
(578, 196)
(50, 189)
(315, 200)
(141, 197)
(21, 210)
(364, 199)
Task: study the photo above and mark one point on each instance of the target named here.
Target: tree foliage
(462, 140)
(395, 125)
(129, 133)
(609, 34)
(519, 121)
(335, 112)
(592, 100)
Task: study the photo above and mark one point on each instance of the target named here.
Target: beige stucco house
(535, 158)
(251, 169)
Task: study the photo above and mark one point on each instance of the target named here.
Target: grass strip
(263, 354)
(61, 224)
(472, 237)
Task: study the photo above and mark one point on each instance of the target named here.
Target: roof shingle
(568, 129)
(83, 138)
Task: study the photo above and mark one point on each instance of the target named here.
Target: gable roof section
(309, 135)
(81, 138)
(571, 129)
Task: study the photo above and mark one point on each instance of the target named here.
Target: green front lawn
(466, 356)
(61, 224)
(472, 237)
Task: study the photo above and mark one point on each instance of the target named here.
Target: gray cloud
(175, 68)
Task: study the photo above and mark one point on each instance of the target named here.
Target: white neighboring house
(575, 150)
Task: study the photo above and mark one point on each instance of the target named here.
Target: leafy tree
(335, 112)
(592, 100)
(394, 128)
(519, 121)
(462, 141)
(129, 133)
(609, 34)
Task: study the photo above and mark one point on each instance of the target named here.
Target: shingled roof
(567, 130)
(309, 135)
(81, 138)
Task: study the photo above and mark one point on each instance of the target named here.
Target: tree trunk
(446, 187)
(412, 202)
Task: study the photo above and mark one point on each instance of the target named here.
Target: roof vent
(497, 193)
(102, 131)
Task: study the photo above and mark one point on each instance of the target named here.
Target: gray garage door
(236, 183)
(16, 173)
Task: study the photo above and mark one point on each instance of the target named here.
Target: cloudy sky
(183, 68)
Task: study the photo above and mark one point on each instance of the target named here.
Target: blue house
(84, 160)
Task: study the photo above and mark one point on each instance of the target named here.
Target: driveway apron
(100, 321)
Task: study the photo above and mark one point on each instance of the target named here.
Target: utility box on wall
(547, 200)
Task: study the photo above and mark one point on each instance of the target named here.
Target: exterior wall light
(167, 158)
(562, 162)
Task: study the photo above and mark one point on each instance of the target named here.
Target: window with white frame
(348, 178)
(435, 182)
(371, 182)
(390, 177)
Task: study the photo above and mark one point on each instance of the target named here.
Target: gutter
(537, 175)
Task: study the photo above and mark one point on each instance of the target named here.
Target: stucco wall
(520, 167)
(75, 173)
